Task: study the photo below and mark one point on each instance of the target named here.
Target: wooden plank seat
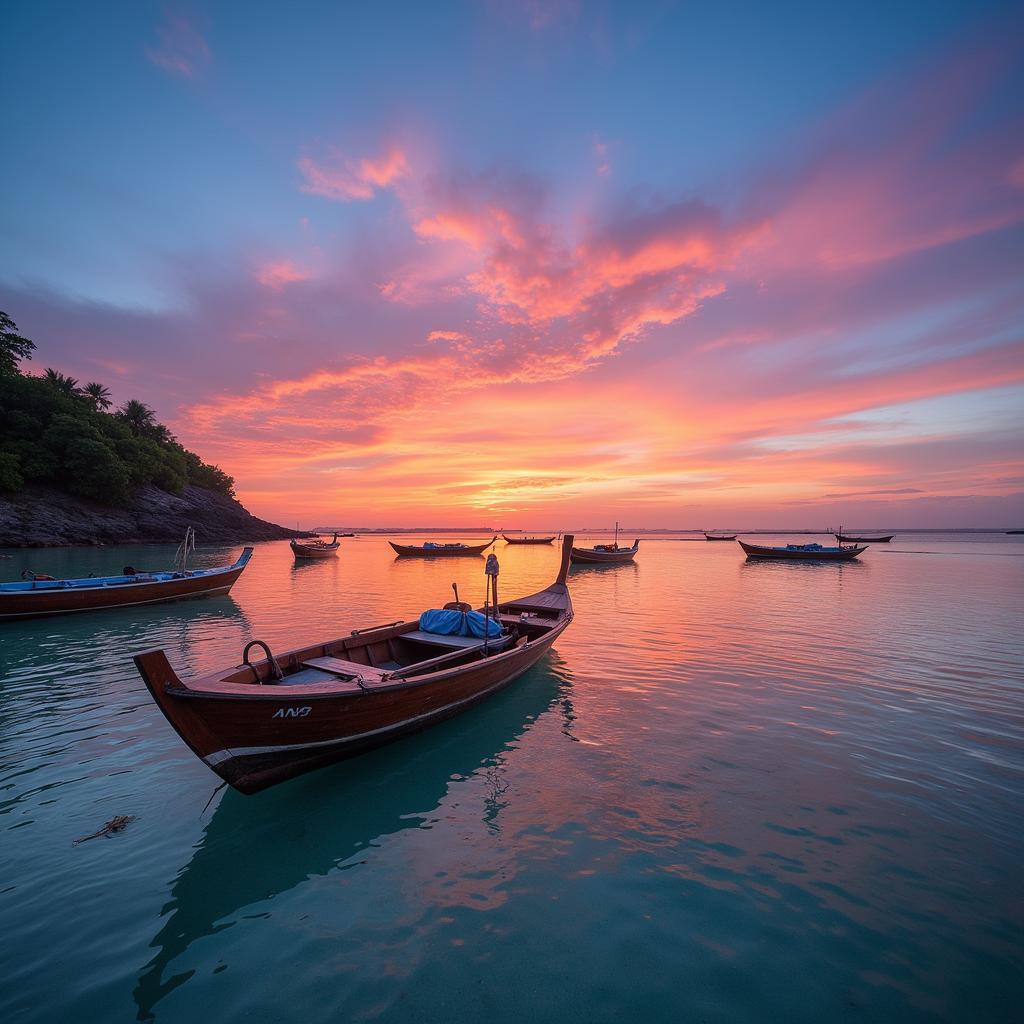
(347, 669)
(319, 675)
(466, 643)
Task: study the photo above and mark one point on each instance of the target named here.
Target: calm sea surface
(733, 792)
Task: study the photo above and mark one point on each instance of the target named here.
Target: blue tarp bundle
(449, 622)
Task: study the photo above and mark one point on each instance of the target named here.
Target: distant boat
(42, 595)
(261, 723)
(431, 550)
(1012, 533)
(807, 552)
(527, 540)
(315, 548)
(845, 538)
(719, 536)
(606, 553)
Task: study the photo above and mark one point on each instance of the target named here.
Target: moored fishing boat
(807, 552)
(846, 538)
(263, 722)
(38, 595)
(527, 540)
(315, 548)
(719, 536)
(432, 550)
(604, 554)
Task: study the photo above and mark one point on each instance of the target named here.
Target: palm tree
(98, 395)
(158, 432)
(139, 417)
(65, 385)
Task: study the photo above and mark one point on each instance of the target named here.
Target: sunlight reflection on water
(733, 791)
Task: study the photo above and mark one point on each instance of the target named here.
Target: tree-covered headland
(56, 432)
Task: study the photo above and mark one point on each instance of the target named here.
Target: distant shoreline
(639, 531)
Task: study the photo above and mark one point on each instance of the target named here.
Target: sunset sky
(537, 264)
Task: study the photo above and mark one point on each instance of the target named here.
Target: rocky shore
(44, 517)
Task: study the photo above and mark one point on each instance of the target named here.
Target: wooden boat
(719, 536)
(430, 550)
(38, 596)
(605, 554)
(527, 540)
(846, 538)
(261, 723)
(315, 548)
(807, 552)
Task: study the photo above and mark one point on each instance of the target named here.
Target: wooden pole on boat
(491, 576)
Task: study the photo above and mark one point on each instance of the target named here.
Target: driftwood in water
(116, 824)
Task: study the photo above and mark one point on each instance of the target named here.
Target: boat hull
(795, 554)
(25, 604)
(256, 725)
(846, 539)
(588, 556)
(304, 551)
(527, 540)
(418, 551)
(709, 537)
(254, 742)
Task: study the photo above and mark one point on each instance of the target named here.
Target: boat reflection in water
(254, 850)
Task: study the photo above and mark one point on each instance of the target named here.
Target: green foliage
(95, 471)
(13, 347)
(10, 474)
(53, 432)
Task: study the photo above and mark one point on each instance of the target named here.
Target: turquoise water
(733, 792)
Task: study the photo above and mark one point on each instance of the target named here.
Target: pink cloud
(345, 179)
(181, 48)
(277, 275)
(752, 330)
